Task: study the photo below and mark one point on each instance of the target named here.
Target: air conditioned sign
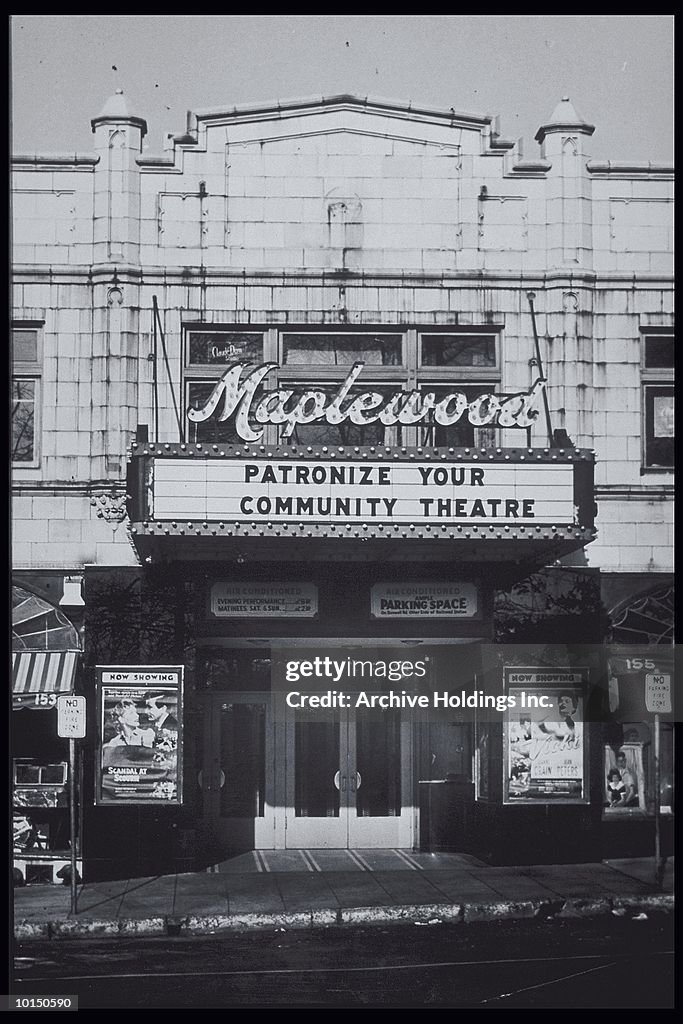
(264, 600)
(423, 600)
(238, 398)
(254, 490)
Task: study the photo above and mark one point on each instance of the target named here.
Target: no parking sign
(658, 693)
(71, 717)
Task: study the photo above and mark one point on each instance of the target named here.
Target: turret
(563, 143)
(118, 142)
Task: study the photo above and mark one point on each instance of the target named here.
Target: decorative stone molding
(110, 506)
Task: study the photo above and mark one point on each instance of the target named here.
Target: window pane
(233, 670)
(25, 346)
(243, 760)
(458, 350)
(213, 430)
(23, 405)
(659, 351)
(316, 762)
(659, 426)
(54, 774)
(342, 349)
(462, 433)
(378, 760)
(26, 774)
(347, 433)
(208, 348)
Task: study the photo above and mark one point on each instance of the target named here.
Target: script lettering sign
(286, 408)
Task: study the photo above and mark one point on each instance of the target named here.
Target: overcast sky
(617, 70)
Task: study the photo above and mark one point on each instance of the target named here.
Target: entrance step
(278, 861)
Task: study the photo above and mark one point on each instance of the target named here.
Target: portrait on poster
(139, 755)
(624, 773)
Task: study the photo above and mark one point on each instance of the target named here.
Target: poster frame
(143, 688)
(580, 686)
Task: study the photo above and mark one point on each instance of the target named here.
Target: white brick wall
(418, 185)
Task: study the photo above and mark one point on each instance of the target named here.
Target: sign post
(72, 822)
(71, 724)
(658, 698)
(659, 864)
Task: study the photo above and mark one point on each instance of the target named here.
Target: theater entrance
(279, 778)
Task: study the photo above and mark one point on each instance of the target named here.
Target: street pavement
(318, 888)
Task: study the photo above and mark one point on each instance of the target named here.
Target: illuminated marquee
(252, 489)
(288, 409)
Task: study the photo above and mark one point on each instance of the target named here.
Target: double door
(348, 780)
(273, 777)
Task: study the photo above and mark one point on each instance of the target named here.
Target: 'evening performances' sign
(424, 600)
(139, 754)
(255, 490)
(264, 600)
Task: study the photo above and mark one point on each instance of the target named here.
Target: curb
(419, 914)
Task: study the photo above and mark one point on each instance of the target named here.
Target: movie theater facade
(341, 431)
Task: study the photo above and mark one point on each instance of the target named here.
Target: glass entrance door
(348, 780)
(276, 778)
(237, 775)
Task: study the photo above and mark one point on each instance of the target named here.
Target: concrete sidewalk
(315, 888)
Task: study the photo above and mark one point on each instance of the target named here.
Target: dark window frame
(657, 453)
(655, 446)
(28, 371)
(463, 370)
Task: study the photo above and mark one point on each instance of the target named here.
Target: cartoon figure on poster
(139, 753)
(545, 749)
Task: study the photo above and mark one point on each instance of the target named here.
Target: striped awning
(38, 676)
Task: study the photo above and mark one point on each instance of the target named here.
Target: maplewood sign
(287, 409)
(253, 489)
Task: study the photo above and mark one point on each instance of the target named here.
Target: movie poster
(544, 740)
(140, 735)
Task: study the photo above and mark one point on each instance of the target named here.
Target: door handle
(341, 781)
(210, 785)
